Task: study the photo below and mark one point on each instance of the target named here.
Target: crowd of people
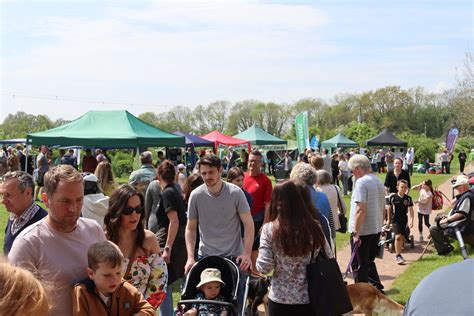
(101, 244)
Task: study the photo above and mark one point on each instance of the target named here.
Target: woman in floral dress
(286, 244)
(124, 226)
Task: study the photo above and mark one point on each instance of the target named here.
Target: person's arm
(360, 212)
(190, 236)
(267, 199)
(266, 258)
(389, 213)
(141, 307)
(266, 216)
(462, 212)
(79, 302)
(244, 259)
(172, 232)
(412, 216)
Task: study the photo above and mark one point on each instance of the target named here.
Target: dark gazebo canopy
(385, 138)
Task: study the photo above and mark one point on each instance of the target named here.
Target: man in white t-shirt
(366, 219)
(55, 249)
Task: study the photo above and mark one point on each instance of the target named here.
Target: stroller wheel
(391, 247)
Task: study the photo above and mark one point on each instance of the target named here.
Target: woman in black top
(395, 175)
(171, 216)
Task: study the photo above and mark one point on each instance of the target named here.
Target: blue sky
(151, 56)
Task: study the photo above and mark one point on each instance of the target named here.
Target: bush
(122, 167)
(424, 147)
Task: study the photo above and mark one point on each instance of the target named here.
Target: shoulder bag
(326, 289)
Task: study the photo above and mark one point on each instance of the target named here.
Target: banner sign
(451, 138)
(302, 132)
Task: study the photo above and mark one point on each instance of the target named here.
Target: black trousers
(368, 270)
(462, 163)
(422, 217)
(276, 309)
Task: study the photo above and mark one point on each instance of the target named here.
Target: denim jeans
(166, 308)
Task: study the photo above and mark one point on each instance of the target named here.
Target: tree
(359, 132)
(217, 115)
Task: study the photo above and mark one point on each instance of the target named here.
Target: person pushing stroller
(210, 289)
(400, 204)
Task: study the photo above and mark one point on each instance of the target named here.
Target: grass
(406, 283)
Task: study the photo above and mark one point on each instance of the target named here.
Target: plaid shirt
(19, 221)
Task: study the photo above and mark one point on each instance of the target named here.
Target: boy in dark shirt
(400, 204)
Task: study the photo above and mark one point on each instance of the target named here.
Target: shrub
(424, 147)
(122, 167)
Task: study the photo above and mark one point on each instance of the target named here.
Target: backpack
(437, 200)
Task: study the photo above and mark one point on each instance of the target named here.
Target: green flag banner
(302, 133)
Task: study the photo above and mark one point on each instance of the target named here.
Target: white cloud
(441, 87)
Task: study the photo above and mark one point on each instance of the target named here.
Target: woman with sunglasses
(143, 265)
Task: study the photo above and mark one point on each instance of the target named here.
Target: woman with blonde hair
(21, 293)
(105, 177)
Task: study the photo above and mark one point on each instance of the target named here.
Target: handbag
(326, 289)
(342, 217)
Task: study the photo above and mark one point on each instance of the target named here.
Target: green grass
(406, 283)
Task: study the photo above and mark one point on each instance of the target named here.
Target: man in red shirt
(89, 163)
(260, 188)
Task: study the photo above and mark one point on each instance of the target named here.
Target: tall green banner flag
(302, 133)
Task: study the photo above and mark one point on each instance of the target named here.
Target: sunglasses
(129, 210)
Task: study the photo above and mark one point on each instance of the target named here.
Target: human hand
(244, 262)
(166, 256)
(356, 241)
(189, 264)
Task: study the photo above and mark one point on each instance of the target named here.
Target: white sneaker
(400, 259)
(421, 238)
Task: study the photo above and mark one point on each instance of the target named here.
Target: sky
(64, 58)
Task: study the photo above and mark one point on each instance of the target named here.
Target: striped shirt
(370, 191)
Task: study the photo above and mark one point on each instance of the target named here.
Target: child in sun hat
(209, 289)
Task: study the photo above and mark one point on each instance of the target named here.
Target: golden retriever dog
(366, 299)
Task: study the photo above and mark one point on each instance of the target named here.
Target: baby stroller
(388, 238)
(230, 276)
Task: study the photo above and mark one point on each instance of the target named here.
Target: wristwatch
(167, 248)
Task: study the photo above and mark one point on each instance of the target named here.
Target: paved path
(387, 267)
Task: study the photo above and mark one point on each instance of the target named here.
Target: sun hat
(210, 275)
(460, 180)
(181, 166)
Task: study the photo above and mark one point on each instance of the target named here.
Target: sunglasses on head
(129, 210)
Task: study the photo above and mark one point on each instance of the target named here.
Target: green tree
(359, 132)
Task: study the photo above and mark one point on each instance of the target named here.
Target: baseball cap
(181, 166)
(89, 177)
(460, 180)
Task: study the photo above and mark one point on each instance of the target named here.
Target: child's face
(106, 278)
(424, 186)
(402, 189)
(211, 290)
(239, 181)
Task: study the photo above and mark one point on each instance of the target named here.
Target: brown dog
(366, 299)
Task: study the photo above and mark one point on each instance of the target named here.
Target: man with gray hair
(17, 192)
(55, 248)
(141, 178)
(366, 219)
